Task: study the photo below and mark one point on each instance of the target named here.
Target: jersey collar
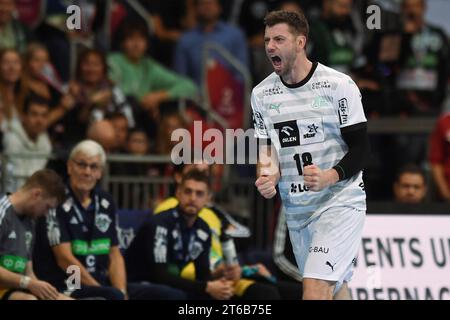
(304, 81)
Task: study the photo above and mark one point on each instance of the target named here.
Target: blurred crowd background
(137, 70)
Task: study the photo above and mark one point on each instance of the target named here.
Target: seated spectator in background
(104, 133)
(97, 95)
(138, 143)
(439, 156)
(13, 34)
(11, 90)
(42, 191)
(168, 242)
(29, 138)
(143, 78)
(410, 186)
(421, 80)
(120, 124)
(40, 78)
(189, 50)
(335, 39)
(83, 232)
(223, 227)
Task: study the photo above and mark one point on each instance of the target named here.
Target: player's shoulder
(4, 208)
(269, 82)
(333, 74)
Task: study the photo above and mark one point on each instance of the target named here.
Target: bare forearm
(267, 160)
(8, 279)
(117, 273)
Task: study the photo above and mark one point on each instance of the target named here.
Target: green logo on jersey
(13, 263)
(319, 102)
(97, 247)
(275, 107)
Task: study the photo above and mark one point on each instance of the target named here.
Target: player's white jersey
(303, 122)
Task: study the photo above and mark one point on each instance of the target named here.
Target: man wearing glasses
(82, 232)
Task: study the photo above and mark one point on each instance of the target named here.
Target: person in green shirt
(143, 78)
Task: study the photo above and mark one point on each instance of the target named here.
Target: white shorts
(326, 248)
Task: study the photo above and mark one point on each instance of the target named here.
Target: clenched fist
(317, 179)
(266, 184)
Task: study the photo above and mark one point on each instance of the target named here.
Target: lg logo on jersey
(298, 188)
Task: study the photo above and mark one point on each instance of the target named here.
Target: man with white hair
(82, 232)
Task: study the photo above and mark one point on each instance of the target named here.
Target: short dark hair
(196, 175)
(49, 181)
(297, 22)
(413, 169)
(31, 99)
(132, 27)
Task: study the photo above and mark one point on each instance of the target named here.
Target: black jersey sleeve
(358, 155)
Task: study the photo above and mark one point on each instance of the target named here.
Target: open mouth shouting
(276, 62)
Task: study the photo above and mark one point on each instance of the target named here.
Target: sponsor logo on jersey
(331, 265)
(298, 188)
(73, 220)
(288, 133)
(102, 222)
(12, 235)
(275, 106)
(319, 102)
(259, 123)
(276, 89)
(325, 84)
(311, 130)
(343, 111)
(319, 249)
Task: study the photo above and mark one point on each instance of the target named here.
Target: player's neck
(299, 72)
(18, 202)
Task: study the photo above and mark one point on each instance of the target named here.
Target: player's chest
(300, 119)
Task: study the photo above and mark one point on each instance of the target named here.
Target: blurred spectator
(410, 186)
(439, 156)
(169, 123)
(29, 138)
(97, 95)
(336, 39)
(82, 232)
(11, 90)
(175, 239)
(120, 124)
(189, 50)
(13, 34)
(104, 133)
(423, 63)
(168, 19)
(223, 226)
(36, 65)
(138, 143)
(64, 43)
(40, 78)
(143, 78)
